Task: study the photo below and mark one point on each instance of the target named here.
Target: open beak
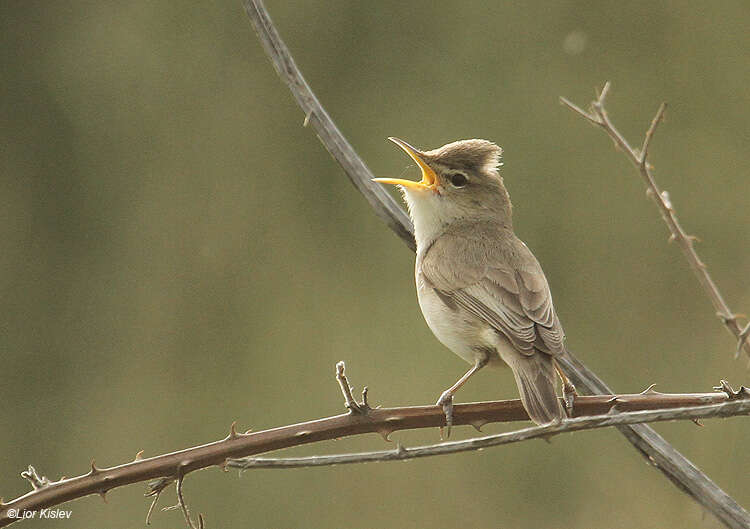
(429, 180)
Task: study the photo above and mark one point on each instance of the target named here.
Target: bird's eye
(458, 179)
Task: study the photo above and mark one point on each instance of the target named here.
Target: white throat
(430, 214)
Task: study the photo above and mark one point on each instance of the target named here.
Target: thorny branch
(683, 473)
(599, 117)
(400, 453)
(171, 468)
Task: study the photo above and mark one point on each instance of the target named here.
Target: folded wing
(500, 282)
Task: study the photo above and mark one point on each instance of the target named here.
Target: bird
(480, 288)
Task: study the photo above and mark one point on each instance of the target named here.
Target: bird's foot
(569, 397)
(446, 402)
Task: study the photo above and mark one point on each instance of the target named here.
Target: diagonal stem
(359, 174)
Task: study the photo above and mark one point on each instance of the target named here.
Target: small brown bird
(481, 290)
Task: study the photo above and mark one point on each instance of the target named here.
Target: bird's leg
(569, 390)
(446, 399)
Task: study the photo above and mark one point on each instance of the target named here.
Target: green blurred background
(178, 252)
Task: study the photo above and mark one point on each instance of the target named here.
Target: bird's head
(460, 183)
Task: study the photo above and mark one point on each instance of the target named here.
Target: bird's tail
(536, 379)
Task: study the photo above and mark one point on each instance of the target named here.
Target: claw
(446, 402)
(570, 400)
(569, 397)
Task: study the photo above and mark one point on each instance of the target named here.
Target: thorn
(672, 238)
(649, 390)
(604, 92)
(249, 430)
(138, 456)
(726, 318)
(223, 466)
(698, 422)
(726, 388)
(385, 434)
(693, 238)
(364, 398)
(649, 192)
(103, 496)
(741, 393)
(666, 200)
(613, 400)
(400, 449)
(742, 339)
(478, 424)
(307, 119)
(93, 470)
(233, 431)
(32, 477)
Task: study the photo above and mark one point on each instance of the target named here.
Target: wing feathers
(501, 283)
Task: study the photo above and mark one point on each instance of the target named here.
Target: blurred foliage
(179, 252)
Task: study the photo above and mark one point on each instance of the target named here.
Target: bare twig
(729, 408)
(651, 445)
(650, 134)
(598, 116)
(183, 506)
(346, 389)
(156, 487)
(173, 467)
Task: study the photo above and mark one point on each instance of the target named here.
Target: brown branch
(400, 453)
(684, 474)
(173, 467)
(599, 117)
